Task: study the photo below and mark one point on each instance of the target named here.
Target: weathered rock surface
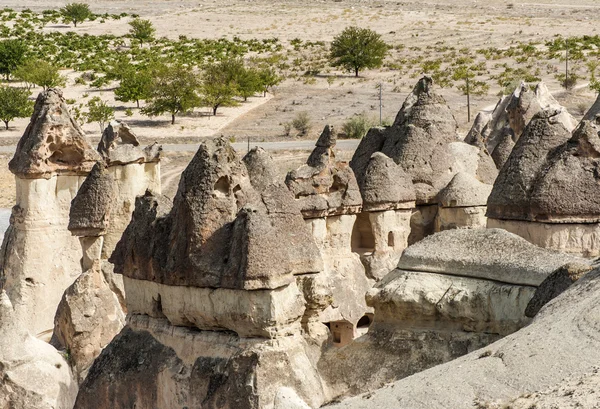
(464, 190)
(462, 203)
(385, 185)
(92, 207)
(229, 251)
(510, 197)
(120, 146)
(34, 375)
(53, 143)
(560, 344)
(507, 257)
(555, 284)
(324, 186)
(511, 115)
(453, 292)
(424, 143)
(196, 369)
(87, 319)
(40, 258)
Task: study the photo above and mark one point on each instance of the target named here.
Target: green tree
(174, 90)
(14, 103)
(39, 72)
(248, 82)
(142, 30)
(356, 48)
(268, 78)
(470, 86)
(219, 87)
(135, 85)
(76, 13)
(12, 54)
(99, 111)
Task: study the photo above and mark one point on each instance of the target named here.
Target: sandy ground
(332, 96)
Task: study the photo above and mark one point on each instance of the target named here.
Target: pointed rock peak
(464, 190)
(116, 133)
(328, 137)
(424, 104)
(425, 85)
(53, 142)
(92, 207)
(386, 184)
(587, 138)
(261, 168)
(323, 155)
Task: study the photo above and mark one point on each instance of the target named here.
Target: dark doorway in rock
(362, 234)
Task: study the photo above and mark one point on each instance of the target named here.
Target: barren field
(422, 33)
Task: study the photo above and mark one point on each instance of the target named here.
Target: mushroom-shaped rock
(223, 231)
(510, 197)
(324, 186)
(91, 208)
(418, 140)
(119, 146)
(53, 142)
(464, 190)
(386, 185)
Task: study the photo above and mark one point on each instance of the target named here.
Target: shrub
(301, 123)
(357, 126)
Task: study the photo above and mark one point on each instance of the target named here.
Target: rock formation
(452, 293)
(215, 310)
(34, 375)
(548, 190)
(92, 310)
(554, 360)
(40, 258)
(462, 204)
(424, 142)
(500, 130)
(388, 199)
(330, 200)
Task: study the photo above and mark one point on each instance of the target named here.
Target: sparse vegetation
(99, 112)
(302, 123)
(357, 126)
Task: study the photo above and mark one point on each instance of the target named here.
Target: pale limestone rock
(556, 353)
(451, 303)
(196, 369)
(343, 272)
(422, 222)
(573, 238)
(454, 292)
(87, 319)
(287, 398)
(258, 313)
(34, 375)
(472, 217)
(40, 258)
(390, 230)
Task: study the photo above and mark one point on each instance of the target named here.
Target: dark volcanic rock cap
(53, 142)
(227, 228)
(93, 204)
(511, 196)
(386, 185)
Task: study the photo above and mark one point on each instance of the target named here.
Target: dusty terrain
(414, 28)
